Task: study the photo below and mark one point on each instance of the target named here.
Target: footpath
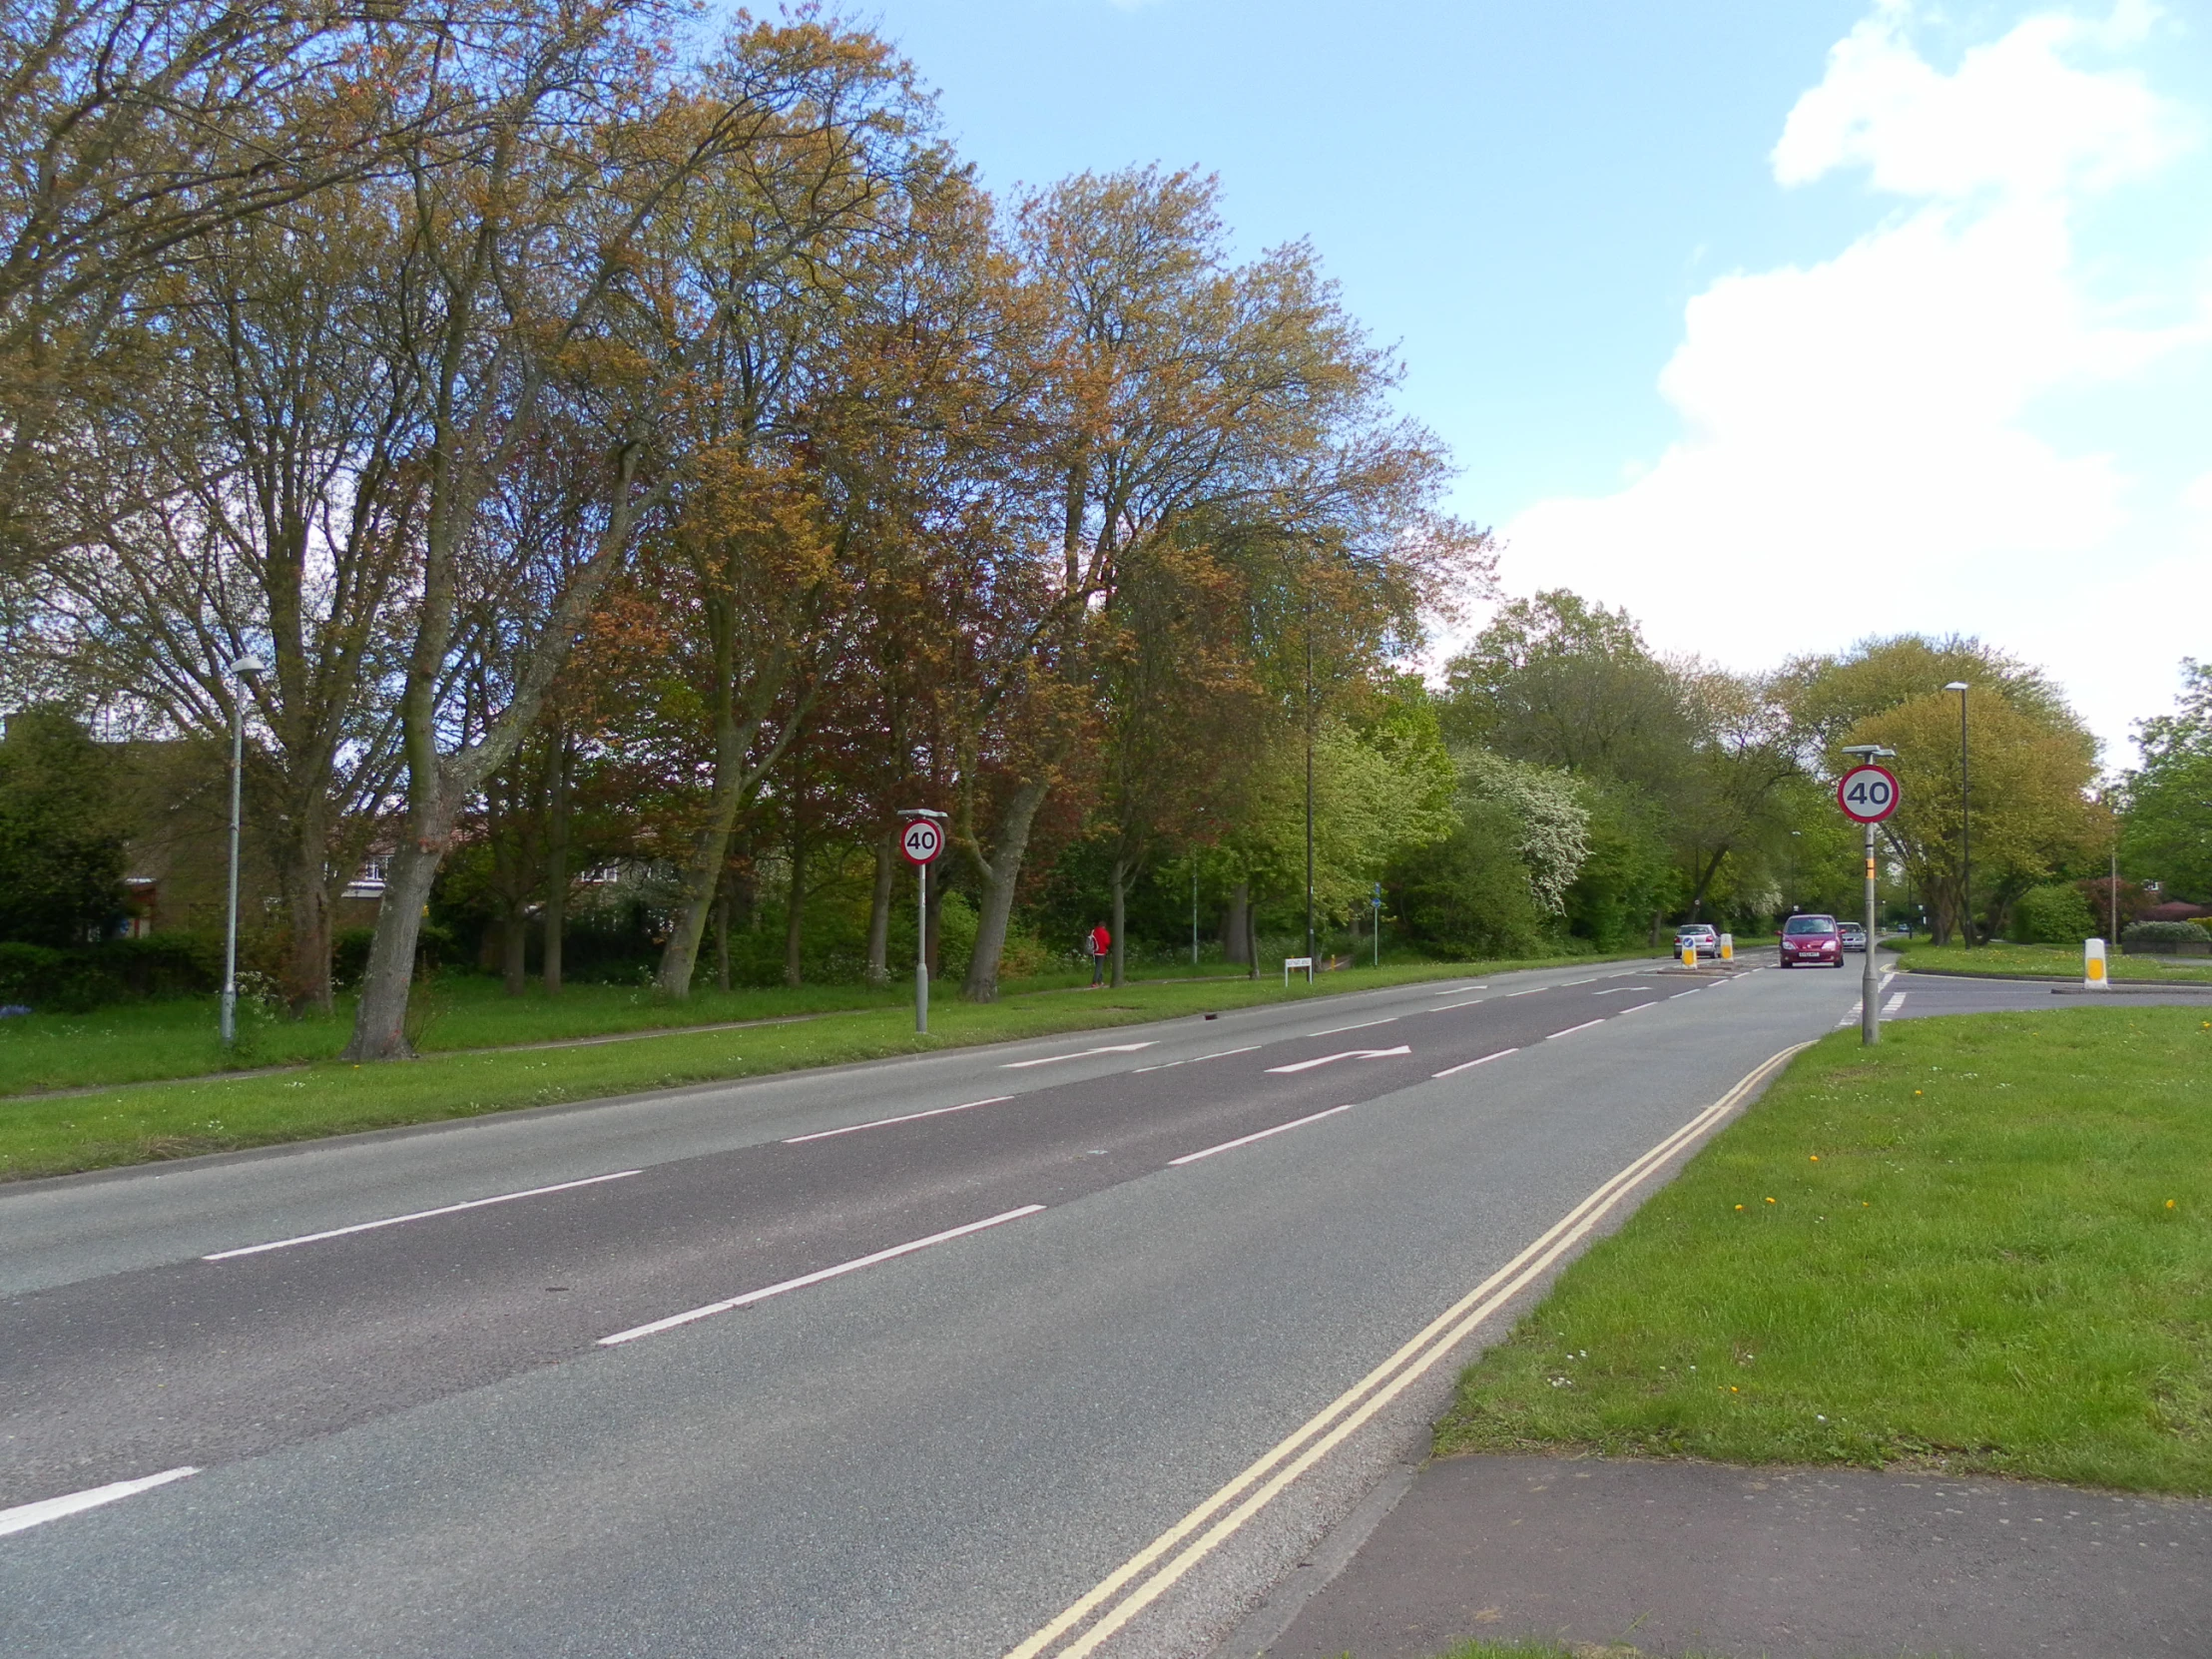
(1618, 1556)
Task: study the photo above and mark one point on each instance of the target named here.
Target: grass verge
(65, 1134)
(1985, 1246)
(2014, 961)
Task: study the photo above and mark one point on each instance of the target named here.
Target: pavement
(1672, 1558)
(1069, 1345)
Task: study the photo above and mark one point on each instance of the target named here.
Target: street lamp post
(1966, 826)
(237, 670)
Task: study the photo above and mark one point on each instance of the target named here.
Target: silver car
(1706, 940)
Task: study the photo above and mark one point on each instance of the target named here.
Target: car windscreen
(1810, 925)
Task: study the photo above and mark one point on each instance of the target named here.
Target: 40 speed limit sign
(920, 841)
(1867, 793)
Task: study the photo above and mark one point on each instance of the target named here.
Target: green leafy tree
(61, 833)
(2166, 833)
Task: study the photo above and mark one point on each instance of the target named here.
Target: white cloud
(1856, 453)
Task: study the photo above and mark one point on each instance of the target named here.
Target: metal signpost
(1867, 793)
(919, 843)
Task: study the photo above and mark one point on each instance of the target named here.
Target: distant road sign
(920, 841)
(1868, 795)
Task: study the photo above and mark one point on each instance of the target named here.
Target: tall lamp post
(1966, 826)
(237, 670)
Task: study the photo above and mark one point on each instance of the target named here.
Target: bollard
(2092, 966)
(1728, 947)
(1689, 955)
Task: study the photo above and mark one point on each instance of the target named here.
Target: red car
(1811, 941)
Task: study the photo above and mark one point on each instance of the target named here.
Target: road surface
(896, 1360)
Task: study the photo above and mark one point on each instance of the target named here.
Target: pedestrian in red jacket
(1101, 943)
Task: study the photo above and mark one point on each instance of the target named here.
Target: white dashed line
(1247, 1140)
(1387, 1020)
(1079, 1054)
(886, 1123)
(418, 1215)
(1485, 1060)
(1572, 1029)
(26, 1515)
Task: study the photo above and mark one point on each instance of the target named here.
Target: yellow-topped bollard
(1689, 953)
(1728, 947)
(2092, 966)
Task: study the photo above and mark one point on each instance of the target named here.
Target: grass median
(2050, 961)
(58, 1135)
(1985, 1246)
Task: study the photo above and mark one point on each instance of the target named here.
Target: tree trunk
(1000, 874)
(722, 943)
(795, 909)
(308, 906)
(514, 950)
(1120, 880)
(554, 917)
(1252, 941)
(1236, 943)
(879, 910)
(381, 1023)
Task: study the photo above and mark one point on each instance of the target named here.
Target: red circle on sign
(920, 841)
(1868, 795)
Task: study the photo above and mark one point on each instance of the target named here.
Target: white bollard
(2092, 966)
(1728, 947)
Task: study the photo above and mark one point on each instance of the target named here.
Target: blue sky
(1779, 324)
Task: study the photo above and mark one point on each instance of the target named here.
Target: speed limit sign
(920, 841)
(1867, 793)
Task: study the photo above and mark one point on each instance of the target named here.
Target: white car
(1706, 940)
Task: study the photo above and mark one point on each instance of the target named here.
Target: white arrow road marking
(1079, 1054)
(815, 1278)
(1247, 1140)
(1348, 1054)
(25, 1516)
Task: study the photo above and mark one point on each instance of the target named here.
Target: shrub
(2053, 916)
(2164, 932)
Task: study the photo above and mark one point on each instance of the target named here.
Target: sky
(1778, 325)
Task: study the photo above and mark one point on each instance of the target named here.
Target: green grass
(1985, 1246)
(56, 1135)
(2058, 961)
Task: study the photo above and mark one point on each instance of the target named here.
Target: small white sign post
(919, 843)
(1290, 962)
(1867, 793)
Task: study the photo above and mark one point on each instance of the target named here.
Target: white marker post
(919, 843)
(2093, 975)
(1867, 793)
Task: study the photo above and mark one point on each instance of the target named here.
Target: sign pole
(919, 841)
(1870, 983)
(922, 955)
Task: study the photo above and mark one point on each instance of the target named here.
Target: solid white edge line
(419, 1214)
(1464, 1064)
(1386, 1019)
(886, 1123)
(1348, 1054)
(1380, 1386)
(26, 1515)
(1081, 1055)
(1247, 1140)
(1572, 1029)
(815, 1278)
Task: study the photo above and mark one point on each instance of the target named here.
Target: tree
(2030, 778)
(1829, 695)
(61, 833)
(2166, 833)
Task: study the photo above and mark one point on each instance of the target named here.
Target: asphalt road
(1170, 1246)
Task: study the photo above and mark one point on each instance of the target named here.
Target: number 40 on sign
(1867, 794)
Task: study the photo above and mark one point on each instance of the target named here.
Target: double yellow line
(1152, 1570)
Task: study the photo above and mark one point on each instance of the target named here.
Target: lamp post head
(249, 664)
(1957, 686)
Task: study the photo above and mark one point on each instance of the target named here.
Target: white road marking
(1448, 1007)
(1080, 1054)
(1531, 991)
(1638, 1008)
(418, 1215)
(1679, 996)
(1387, 1020)
(1248, 1049)
(1348, 1054)
(1247, 1140)
(1464, 1064)
(884, 1123)
(1894, 1004)
(1572, 1029)
(815, 1278)
(1164, 1561)
(26, 1515)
